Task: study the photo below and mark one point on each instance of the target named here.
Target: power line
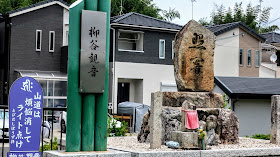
(272, 21)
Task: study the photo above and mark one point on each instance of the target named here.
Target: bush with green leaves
(261, 136)
(113, 130)
(47, 145)
(226, 101)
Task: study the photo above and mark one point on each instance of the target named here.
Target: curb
(189, 153)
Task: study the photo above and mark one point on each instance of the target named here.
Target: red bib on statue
(191, 120)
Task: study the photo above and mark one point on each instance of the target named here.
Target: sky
(203, 8)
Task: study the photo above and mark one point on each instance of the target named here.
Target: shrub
(225, 101)
(261, 136)
(117, 131)
(47, 145)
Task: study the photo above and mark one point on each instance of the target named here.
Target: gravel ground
(130, 143)
(247, 143)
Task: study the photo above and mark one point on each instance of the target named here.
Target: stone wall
(224, 121)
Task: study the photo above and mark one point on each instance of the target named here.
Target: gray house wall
(254, 116)
(150, 47)
(23, 53)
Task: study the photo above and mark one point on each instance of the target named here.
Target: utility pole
(260, 14)
(260, 10)
(121, 11)
(192, 7)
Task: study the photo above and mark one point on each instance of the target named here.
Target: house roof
(38, 6)
(220, 29)
(249, 87)
(136, 19)
(271, 37)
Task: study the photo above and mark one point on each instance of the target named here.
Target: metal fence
(45, 118)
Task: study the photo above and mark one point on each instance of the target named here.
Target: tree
(203, 21)
(272, 28)
(238, 13)
(228, 16)
(24, 3)
(265, 14)
(5, 6)
(145, 7)
(170, 14)
(9, 5)
(253, 16)
(218, 15)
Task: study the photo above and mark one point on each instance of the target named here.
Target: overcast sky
(203, 8)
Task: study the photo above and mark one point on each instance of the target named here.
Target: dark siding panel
(2, 37)
(64, 59)
(151, 49)
(111, 46)
(23, 35)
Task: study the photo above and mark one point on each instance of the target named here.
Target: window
(257, 58)
(241, 57)
(51, 41)
(172, 49)
(249, 58)
(38, 40)
(55, 94)
(161, 49)
(130, 41)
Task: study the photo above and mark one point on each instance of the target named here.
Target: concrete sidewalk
(191, 153)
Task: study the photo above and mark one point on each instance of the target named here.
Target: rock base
(226, 129)
(186, 140)
(199, 99)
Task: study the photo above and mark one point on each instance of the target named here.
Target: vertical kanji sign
(93, 48)
(25, 117)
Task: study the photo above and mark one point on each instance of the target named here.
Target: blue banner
(25, 115)
(24, 154)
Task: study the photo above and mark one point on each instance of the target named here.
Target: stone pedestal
(199, 99)
(166, 117)
(187, 140)
(155, 120)
(275, 119)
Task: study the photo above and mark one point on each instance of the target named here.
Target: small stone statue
(211, 124)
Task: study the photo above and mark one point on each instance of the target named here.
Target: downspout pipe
(113, 70)
(7, 50)
(234, 103)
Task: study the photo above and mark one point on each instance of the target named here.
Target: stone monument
(194, 75)
(193, 59)
(193, 67)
